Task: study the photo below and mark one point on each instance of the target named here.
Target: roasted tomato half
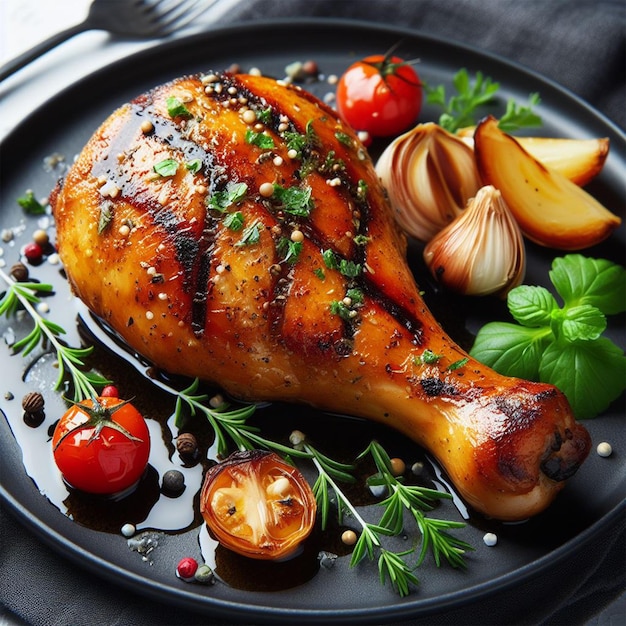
(258, 505)
(101, 446)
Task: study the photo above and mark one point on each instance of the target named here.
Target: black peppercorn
(33, 404)
(187, 446)
(19, 272)
(173, 483)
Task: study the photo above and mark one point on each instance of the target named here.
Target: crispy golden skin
(335, 321)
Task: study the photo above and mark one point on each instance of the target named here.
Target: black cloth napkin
(578, 44)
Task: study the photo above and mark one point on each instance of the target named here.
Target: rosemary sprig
(70, 360)
(436, 537)
(391, 565)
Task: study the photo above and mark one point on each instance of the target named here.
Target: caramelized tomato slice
(258, 505)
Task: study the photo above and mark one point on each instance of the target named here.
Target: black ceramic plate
(586, 511)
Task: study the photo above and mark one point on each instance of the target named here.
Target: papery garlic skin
(429, 175)
(482, 251)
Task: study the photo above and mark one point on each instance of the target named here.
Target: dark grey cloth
(577, 43)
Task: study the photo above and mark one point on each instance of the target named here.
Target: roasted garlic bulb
(430, 175)
(482, 251)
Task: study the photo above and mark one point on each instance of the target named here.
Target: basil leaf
(531, 306)
(510, 349)
(583, 280)
(583, 322)
(592, 374)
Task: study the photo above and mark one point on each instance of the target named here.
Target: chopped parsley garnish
(194, 165)
(250, 236)
(361, 240)
(30, 204)
(176, 108)
(344, 138)
(261, 140)
(428, 357)
(301, 143)
(167, 167)
(221, 200)
(234, 221)
(293, 200)
(344, 266)
(290, 250)
(457, 364)
(319, 272)
(264, 116)
(460, 110)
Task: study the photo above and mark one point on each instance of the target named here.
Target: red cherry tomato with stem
(101, 446)
(380, 94)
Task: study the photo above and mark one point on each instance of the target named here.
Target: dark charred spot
(437, 387)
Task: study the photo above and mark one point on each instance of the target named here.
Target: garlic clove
(549, 208)
(580, 160)
(482, 251)
(429, 175)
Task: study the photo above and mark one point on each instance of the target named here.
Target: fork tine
(179, 13)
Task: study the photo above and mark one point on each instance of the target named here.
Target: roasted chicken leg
(231, 228)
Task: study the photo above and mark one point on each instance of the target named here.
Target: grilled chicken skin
(231, 228)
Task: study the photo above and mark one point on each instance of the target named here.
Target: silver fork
(129, 19)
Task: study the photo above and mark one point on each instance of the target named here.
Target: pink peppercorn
(110, 391)
(33, 252)
(186, 568)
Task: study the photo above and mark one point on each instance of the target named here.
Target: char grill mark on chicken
(336, 321)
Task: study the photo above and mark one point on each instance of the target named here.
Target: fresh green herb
(361, 240)
(176, 108)
(345, 267)
(250, 236)
(194, 165)
(563, 345)
(319, 272)
(261, 140)
(302, 143)
(264, 116)
(167, 167)
(460, 110)
(332, 164)
(69, 359)
(234, 221)
(457, 364)
(222, 200)
(428, 357)
(293, 200)
(344, 311)
(30, 204)
(361, 190)
(290, 250)
(344, 138)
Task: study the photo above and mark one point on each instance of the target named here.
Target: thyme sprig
(70, 360)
